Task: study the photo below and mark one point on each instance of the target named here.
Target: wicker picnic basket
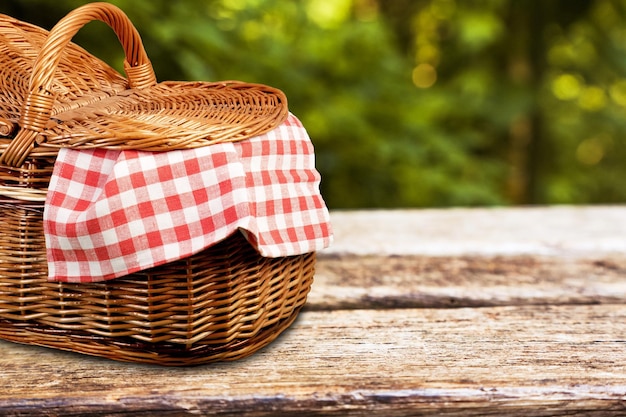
(223, 303)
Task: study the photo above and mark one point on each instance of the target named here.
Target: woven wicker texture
(221, 304)
(56, 94)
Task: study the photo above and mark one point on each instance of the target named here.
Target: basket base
(222, 303)
(130, 350)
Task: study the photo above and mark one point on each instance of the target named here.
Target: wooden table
(512, 312)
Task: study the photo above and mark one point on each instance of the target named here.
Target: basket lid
(55, 94)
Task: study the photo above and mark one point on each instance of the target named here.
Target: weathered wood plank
(540, 346)
(350, 281)
(561, 230)
(514, 361)
(473, 257)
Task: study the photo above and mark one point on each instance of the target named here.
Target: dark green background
(413, 103)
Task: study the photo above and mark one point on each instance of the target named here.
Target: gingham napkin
(111, 213)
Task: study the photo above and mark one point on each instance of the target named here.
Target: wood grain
(414, 281)
(559, 230)
(473, 257)
(481, 312)
(516, 361)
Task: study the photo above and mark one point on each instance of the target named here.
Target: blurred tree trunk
(530, 154)
(400, 15)
(522, 51)
(525, 66)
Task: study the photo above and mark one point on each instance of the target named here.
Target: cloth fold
(111, 213)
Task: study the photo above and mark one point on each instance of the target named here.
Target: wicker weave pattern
(225, 295)
(221, 304)
(57, 94)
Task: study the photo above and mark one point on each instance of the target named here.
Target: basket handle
(37, 107)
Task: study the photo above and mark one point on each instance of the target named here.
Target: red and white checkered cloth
(111, 213)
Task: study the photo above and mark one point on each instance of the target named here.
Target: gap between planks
(515, 361)
(473, 258)
(368, 342)
(378, 282)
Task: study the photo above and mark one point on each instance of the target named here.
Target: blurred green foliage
(413, 103)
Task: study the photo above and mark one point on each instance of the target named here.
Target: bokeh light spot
(618, 92)
(424, 76)
(590, 151)
(566, 87)
(592, 99)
